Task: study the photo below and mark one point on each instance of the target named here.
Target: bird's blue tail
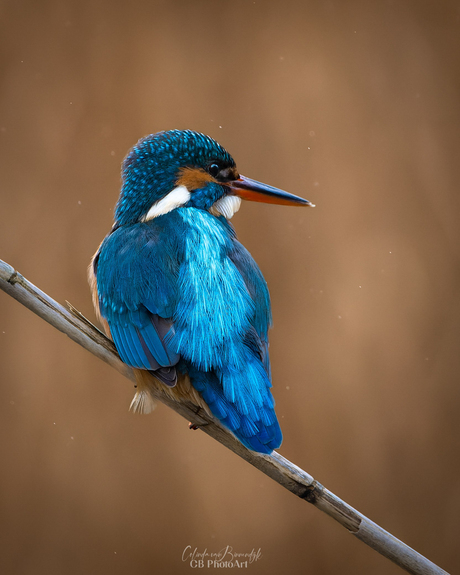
(246, 410)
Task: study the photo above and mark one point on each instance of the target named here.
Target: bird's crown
(161, 162)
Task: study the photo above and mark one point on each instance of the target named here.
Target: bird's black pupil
(214, 169)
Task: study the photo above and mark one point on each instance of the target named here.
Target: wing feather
(136, 296)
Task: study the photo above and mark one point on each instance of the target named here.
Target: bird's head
(182, 168)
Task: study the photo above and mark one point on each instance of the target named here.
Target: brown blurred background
(355, 106)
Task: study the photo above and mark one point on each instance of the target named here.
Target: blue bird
(181, 298)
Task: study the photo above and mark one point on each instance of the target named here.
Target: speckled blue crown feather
(150, 169)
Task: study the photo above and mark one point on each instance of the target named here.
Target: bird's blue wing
(257, 287)
(252, 417)
(136, 273)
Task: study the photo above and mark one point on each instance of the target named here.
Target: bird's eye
(214, 169)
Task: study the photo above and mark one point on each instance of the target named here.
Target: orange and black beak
(254, 191)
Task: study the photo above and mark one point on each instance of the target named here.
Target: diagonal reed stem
(77, 327)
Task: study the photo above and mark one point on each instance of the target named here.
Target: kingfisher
(183, 301)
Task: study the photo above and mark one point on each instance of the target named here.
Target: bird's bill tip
(255, 191)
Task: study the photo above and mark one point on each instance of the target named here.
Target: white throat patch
(226, 206)
(175, 199)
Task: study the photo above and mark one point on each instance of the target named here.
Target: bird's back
(221, 323)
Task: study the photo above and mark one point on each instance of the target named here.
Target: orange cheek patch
(193, 178)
